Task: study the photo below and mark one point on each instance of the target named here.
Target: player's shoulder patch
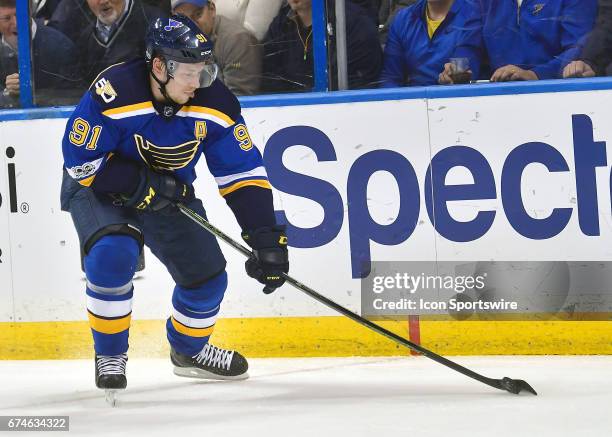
(121, 85)
(218, 98)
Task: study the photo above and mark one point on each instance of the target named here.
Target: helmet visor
(197, 75)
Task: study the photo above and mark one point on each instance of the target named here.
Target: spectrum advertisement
(496, 178)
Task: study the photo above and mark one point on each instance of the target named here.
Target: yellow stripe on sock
(192, 332)
(109, 326)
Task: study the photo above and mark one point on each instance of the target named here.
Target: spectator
(254, 15)
(425, 36)
(116, 36)
(537, 39)
(596, 58)
(370, 7)
(237, 52)
(288, 53)
(388, 9)
(71, 17)
(53, 55)
(386, 13)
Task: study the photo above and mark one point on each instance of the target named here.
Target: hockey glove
(270, 256)
(157, 192)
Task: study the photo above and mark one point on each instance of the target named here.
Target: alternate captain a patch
(166, 158)
(200, 130)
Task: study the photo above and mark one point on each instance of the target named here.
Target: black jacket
(371, 7)
(71, 17)
(43, 9)
(597, 51)
(288, 55)
(125, 44)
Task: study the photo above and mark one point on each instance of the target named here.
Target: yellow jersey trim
(87, 181)
(208, 111)
(128, 108)
(257, 183)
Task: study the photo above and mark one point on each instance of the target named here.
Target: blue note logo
(172, 24)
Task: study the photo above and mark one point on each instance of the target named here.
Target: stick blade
(516, 386)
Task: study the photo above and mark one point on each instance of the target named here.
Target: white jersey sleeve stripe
(204, 116)
(256, 172)
(131, 113)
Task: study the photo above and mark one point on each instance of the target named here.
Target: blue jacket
(411, 58)
(543, 35)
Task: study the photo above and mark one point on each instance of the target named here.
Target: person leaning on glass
(425, 36)
(53, 56)
(115, 35)
(537, 39)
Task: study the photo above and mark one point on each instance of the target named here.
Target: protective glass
(198, 75)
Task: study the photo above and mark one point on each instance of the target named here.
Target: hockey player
(130, 151)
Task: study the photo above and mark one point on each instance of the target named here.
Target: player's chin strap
(162, 86)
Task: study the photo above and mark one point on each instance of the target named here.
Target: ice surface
(323, 397)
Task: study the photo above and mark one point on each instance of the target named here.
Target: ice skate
(210, 363)
(110, 375)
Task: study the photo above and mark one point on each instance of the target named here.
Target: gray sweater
(238, 55)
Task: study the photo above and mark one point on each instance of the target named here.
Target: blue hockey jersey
(119, 116)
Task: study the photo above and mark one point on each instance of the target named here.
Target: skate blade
(193, 372)
(110, 395)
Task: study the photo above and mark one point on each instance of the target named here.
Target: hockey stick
(511, 385)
